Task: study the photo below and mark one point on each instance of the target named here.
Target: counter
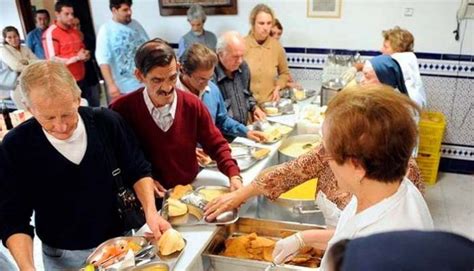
(198, 237)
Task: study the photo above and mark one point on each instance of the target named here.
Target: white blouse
(404, 210)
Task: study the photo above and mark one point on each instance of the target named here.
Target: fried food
(249, 246)
(176, 207)
(115, 252)
(271, 110)
(170, 242)
(179, 191)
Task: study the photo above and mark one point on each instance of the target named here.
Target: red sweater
(173, 153)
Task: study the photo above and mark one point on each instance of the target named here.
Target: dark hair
(42, 11)
(153, 53)
(118, 3)
(336, 254)
(277, 23)
(197, 56)
(8, 29)
(60, 4)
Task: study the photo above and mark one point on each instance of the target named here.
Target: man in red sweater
(169, 122)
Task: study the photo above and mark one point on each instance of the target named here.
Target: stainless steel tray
(195, 215)
(98, 257)
(242, 153)
(267, 228)
(168, 261)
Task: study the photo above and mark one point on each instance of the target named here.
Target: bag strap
(99, 117)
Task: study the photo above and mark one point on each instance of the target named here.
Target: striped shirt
(63, 44)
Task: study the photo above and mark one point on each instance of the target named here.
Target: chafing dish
(266, 228)
(283, 106)
(243, 154)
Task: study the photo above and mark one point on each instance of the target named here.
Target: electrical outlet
(408, 12)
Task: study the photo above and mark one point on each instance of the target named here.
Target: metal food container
(99, 256)
(284, 106)
(265, 228)
(243, 154)
(195, 214)
(330, 88)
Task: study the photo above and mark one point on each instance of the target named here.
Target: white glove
(349, 74)
(287, 248)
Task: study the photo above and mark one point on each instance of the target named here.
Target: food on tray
(272, 135)
(176, 207)
(271, 110)
(155, 268)
(314, 114)
(180, 190)
(210, 194)
(254, 247)
(115, 252)
(249, 246)
(298, 148)
(299, 94)
(170, 242)
(260, 153)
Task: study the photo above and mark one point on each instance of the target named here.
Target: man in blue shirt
(33, 39)
(197, 68)
(117, 42)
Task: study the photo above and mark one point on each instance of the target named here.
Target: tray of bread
(137, 253)
(245, 155)
(184, 205)
(273, 131)
(248, 245)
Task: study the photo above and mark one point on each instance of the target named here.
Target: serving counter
(198, 237)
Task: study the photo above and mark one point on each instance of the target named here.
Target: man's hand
(114, 91)
(257, 136)
(87, 55)
(275, 94)
(235, 182)
(157, 224)
(159, 189)
(81, 55)
(202, 157)
(259, 114)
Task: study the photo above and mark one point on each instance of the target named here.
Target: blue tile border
(295, 50)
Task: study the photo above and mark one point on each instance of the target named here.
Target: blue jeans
(62, 259)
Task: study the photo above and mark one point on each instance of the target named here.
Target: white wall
(359, 27)
(9, 16)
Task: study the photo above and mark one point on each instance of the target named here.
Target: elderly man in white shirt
(368, 137)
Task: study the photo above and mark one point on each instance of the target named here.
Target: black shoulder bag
(129, 208)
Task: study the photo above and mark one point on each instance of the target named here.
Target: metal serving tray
(242, 153)
(195, 214)
(266, 228)
(168, 261)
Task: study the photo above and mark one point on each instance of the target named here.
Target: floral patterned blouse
(284, 177)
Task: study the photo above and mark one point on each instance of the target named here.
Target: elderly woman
(398, 43)
(16, 57)
(197, 18)
(265, 56)
(366, 163)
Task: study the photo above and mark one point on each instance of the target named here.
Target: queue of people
(164, 107)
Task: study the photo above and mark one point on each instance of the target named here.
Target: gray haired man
(232, 76)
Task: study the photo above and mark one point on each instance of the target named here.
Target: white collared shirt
(182, 86)
(73, 148)
(157, 113)
(404, 210)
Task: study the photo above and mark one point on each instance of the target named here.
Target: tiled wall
(449, 83)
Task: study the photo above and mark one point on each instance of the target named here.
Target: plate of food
(245, 155)
(184, 205)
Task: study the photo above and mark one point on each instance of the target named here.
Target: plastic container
(431, 131)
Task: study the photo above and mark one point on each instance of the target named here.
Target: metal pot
(311, 139)
(330, 88)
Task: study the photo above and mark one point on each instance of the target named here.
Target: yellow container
(304, 191)
(428, 164)
(431, 131)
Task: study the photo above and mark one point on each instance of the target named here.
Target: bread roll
(170, 242)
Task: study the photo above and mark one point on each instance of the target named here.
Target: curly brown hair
(401, 40)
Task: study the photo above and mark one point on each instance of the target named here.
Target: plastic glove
(287, 248)
(349, 74)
